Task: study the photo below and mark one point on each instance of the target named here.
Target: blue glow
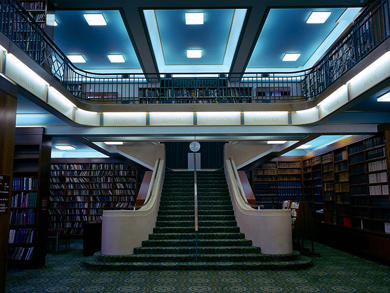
(44, 119)
(217, 37)
(286, 30)
(316, 144)
(96, 42)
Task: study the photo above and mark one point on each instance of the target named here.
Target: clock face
(194, 146)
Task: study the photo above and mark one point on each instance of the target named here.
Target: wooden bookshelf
(277, 181)
(80, 189)
(29, 201)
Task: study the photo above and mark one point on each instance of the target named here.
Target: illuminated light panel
(65, 147)
(113, 142)
(116, 58)
(304, 146)
(291, 57)
(51, 20)
(384, 98)
(276, 141)
(95, 19)
(193, 18)
(192, 53)
(76, 58)
(318, 17)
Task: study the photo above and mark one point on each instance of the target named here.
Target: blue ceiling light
(65, 147)
(51, 20)
(115, 35)
(194, 53)
(286, 30)
(116, 58)
(291, 57)
(76, 58)
(317, 17)
(95, 19)
(384, 98)
(194, 18)
(219, 35)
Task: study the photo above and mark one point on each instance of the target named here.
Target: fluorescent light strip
(113, 142)
(194, 53)
(193, 18)
(384, 98)
(95, 19)
(65, 147)
(317, 17)
(276, 141)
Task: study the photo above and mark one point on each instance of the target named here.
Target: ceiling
(236, 36)
(95, 42)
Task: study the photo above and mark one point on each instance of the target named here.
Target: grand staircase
(218, 244)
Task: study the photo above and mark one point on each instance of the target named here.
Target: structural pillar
(8, 102)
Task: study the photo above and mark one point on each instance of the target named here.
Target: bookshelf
(37, 10)
(277, 181)
(28, 215)
(349, 193)
(80, 189)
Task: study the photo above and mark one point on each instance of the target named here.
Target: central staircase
(218, 244)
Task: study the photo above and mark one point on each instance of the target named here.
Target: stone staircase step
(161, 236)
(200, 242)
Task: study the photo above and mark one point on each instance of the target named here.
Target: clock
(194, 146)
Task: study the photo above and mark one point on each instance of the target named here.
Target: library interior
(194, 146)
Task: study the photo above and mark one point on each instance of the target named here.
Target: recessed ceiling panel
(216, 38)
(286, 31)
(75, 37)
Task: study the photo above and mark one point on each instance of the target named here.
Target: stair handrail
(151, 185)
(238, 181)
(195, 195)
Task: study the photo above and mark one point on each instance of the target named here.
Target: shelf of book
(277, 181)
(81, 189)
(28, 213)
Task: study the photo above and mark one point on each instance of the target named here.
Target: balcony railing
(369, 30)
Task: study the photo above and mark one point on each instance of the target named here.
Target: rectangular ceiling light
(76, 58)
(194, 18)
(304, 146)
(194, 53)
(276, 141)
(288, 57)
(113, 142)
(117, 58)
(51, 20)
(318, 17)
(95, 19)
(65, 147)
(384, 98)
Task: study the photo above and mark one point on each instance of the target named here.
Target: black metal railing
(368, 31)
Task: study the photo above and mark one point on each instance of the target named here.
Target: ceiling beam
(219, 131)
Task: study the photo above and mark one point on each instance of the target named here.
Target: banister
(367, 32)
(151, 185)
(238, 182)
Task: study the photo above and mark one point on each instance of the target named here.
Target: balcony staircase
(218, 244)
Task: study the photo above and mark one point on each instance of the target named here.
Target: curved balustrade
(369, 30)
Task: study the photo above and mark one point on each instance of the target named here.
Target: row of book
(379, 189)
(376, 153)
(340, 156)
(377, 177)
(24, 200)
(63, 205)
(289, 165)
(21, 236)
(102, 179)
(59, 198)
(365, 144)
(24, 183)
(67, 186)
(21, 253)
(68, 218)
(92, 166)
(33, 5)
(90, 173)
(289, 171)
(69, 212)
(22, 217)
(377, 166)
(289, 184)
